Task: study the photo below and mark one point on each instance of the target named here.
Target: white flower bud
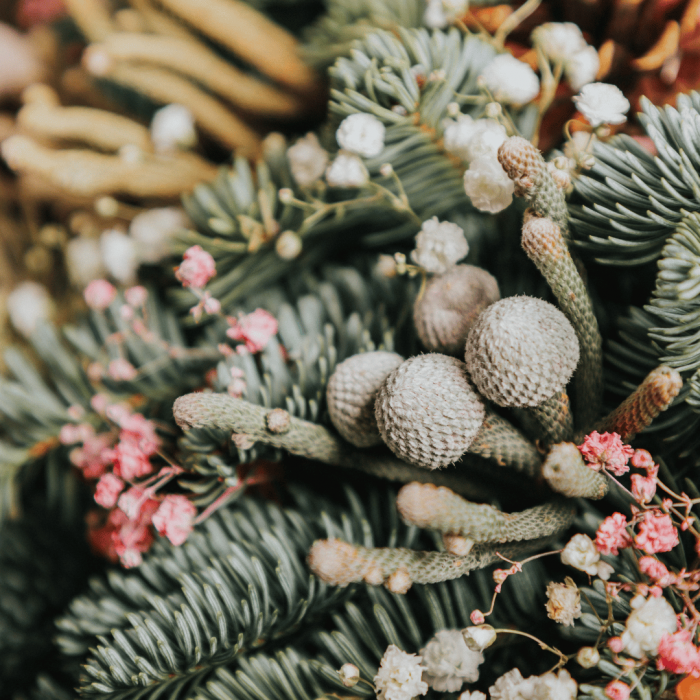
(28, 304)
(511, 81)
(288, 245)
(307, 160)
(479, 637)
(587, 657)
(493, 110)
(347, 170)
(449, 663)
(172, 127)
(487, 185)
(582, 67)
(349, 675)
(119, 255)
(601, 103)
(361, 133)
(559, 41)
(580, 552)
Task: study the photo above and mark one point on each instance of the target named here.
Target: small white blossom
(581, 553)
(439, 13)
(486, 140)
(602, 103)
(307, 160)
(552, 686)
(347, 170)
(512, 686)
(588, 657)
(449, 663)
(563, 602)
(558, 40)
(362, 134)
(582, 67)
(511, 81)
(472, 695)
(349, 675)
(439, 246)
(172, 127)
(119, 255)
(84, 261)
(479, 637)
(487, 185)
(289, 245)
(651, 619)
(28, 304)
(457, 135)
(153, 231)
(399, 676)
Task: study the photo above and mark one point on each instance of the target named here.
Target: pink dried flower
(122, 370)
(136, 296)
(108, 489)
(136, 504)
(656, 571)
(255, 329)
(643, 460)
(643, 487)
(612, 535)
(136, 428)
(211, 305)
(134, 535)
(126, 312)
(616, 645)
(196, 269)
(617, 690)
(678, 654)
(656, 533)
(175, 518)
(130, 461)
(94, 456)
(606, 451)
(99, 294)
(477, 617)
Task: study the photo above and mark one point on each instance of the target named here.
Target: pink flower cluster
(254, 329)
(196, 269)
(657, 533)
(678, 654)
(99, 294)
(606, 451)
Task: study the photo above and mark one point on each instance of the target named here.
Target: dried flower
(121, 370)
(119, 255)
(612, 536)
(601, 103)
(643, 487)
(560, 686)
(646, 625)
(174, 518)
(559, 41)
(172, 127)
(457, 135)
(656, 533)
(254, 329)
(130, 461)
(108, 489)
(606, 451)
(439, 246)
(582, 67)
(399, 676)
(486, 139)
(587, 657)
(564, 602)
(479, 637)
(678, 654)
(656, 571)
(307, 160)
(153, 231)
(349, 675)
(27, 305)
(196, 269)
(99, 294)
(511, 81)
(512, 686)
(449, 663)
(288, 245)
(136, 296)
(439, 13)
(347, 170)
(488, 185)
(361, 133)
(580, 552)
(617, 690)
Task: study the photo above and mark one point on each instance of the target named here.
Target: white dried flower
(563, 602)
(582, 67)
(651, 619)
(307, 160)
(602, 103)
(153, 231)
(472, 695)
(588, 657)
(347, 170)
(487, 185)
(172, 127)
(399, 676)
(349, 675)
(288, 246)
(511, 81)
(439, 13)
(486, 139)
(119, 255)
(84, 261)
(581, 553)
(560, 686)
(361, 133)
(28, 304)
(479, 637)
(512, 686)
(559, 41)
(439, 246)
(449, 663)
(457, 135)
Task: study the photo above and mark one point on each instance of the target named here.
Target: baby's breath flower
(563, 602)
(307, 160)
(361, 133)
(399, 676)
(647, 624)
(601, 103)
(511, 81)
(449, 663)
(558, 40)
(439, 246)
(347, 170)
(487, 185)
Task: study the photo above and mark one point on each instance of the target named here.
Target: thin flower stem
(542, 644)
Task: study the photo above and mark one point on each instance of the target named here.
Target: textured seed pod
(427, 411)
(449, 306)
(351, 391)
(521, 351)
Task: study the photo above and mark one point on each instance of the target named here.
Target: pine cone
(351, 391)
(521, 351)
(427, 411)
(450, 305)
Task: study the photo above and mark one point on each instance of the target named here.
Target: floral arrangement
(351, 350)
